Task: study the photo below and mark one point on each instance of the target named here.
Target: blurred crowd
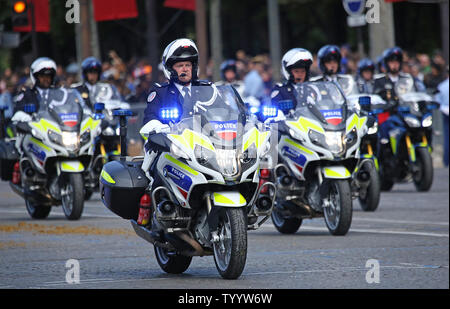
(133, 78)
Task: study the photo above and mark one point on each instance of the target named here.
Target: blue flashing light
(99, 106)
(29, 108)
(169, 114)
(122, 112)
(285, 105)
(269, 111)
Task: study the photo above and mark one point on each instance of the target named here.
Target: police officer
(91, 70)
(295, 67)
(329, 60)
(228, 73)
(180, 66)
(365, 76)
(42, 75)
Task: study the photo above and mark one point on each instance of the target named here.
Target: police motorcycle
(207, 193)
(318, 148)
(366, 180)
(107, 145)
(406, 155)
(55, 148)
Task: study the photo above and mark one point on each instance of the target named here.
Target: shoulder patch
(151, 96)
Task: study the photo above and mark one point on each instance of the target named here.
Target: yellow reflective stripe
(180, 139)
(10, 132)
(222, 199)
(48, 126)
(37, 125)
(333, 173)
(296, 145)
(180, 164)
(193, 138)
(40, 144)
(308, 124)
(354, 122)
(255, 137)
(87, 124)
(107, 177)
(70, 166)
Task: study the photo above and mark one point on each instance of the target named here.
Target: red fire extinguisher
(144, 209)
(16, 174)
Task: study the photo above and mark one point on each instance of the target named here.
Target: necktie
(187, 96)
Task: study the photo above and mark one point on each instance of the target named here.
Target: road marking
(399, 221)
(62, 214)
(375, 231)
(106, 280)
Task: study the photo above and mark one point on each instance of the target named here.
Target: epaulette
(158, 85)
(315, 78)
(379, 75)
(204, 83)
(76, 85)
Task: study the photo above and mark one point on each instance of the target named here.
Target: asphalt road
(408, 237)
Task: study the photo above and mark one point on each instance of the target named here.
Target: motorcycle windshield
(64, 107)
(110, 96)
(323, 102)
(216, 113)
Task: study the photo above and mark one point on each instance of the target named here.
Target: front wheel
(37, 211)
(171, 262)
(72, 194)
(423, 178)
(230, 251)
(338, 207)
(370, 198)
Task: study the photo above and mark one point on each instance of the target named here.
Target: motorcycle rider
(180, 66)
(329, 61)
(365, 76)
(91, 70)
(228, 72)
(295, 67)
(42, 75)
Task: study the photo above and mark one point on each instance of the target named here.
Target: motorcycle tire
(73, 201)
(370, 200)
(423, 179)
(37, 211)
(172, 263)
(338, 215)
(230, 252)
(285, 225)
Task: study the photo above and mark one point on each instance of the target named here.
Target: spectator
(443, 97)
(254, 83)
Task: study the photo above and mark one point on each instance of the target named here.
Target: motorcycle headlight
(227, 162)
(373, 129)
(317, 138)
(427, 121)
(108, 131)
(55, 138)
(85, 137)
(204, 156)
(70, 140)
(412, 122)
(335, 142)
(249, 156)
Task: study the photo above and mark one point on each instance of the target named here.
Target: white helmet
(296, 58)
(180, 50)
(43, 65)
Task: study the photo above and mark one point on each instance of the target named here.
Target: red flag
(114, 9)
(188, 5)
(42, 16)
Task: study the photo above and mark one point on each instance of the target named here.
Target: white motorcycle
(56, 148)
(207, 183)
(318, 148)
